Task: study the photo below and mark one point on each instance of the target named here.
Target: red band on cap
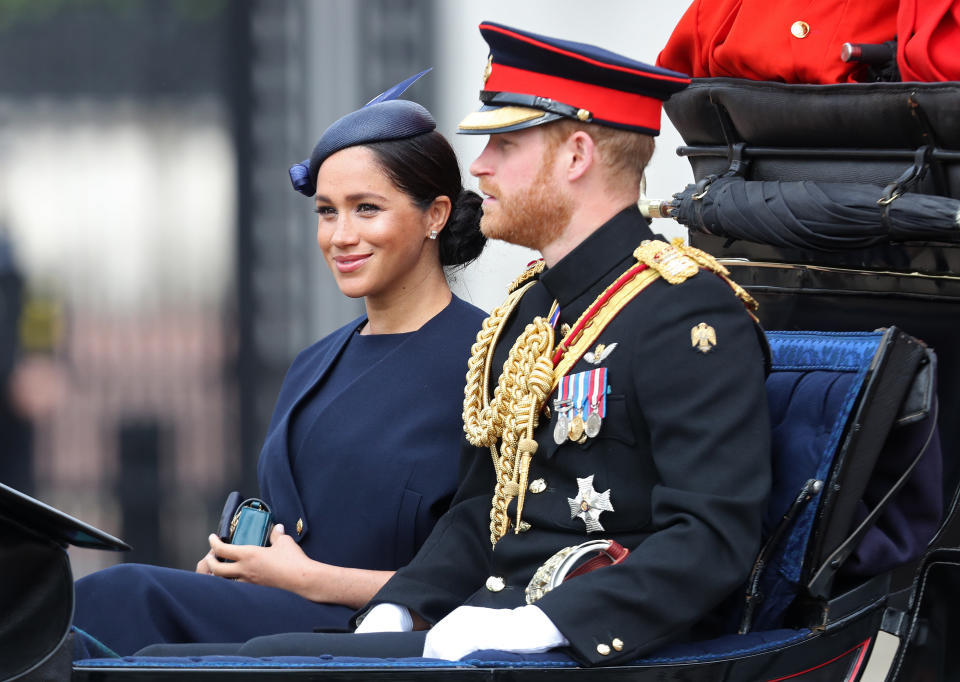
(583, 58)
(615, 106)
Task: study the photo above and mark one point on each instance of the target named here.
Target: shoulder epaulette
(669, 260)
(532, 271)
(677, 262)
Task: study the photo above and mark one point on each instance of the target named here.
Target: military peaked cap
(532, 79)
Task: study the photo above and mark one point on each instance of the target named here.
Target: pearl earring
(433, 234)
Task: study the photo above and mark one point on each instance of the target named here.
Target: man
(617, 395)
(656, 437)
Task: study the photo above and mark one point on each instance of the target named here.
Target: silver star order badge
(588, 504)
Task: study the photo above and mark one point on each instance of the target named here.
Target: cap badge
(588, 504)
(703, 337)
(488, 69)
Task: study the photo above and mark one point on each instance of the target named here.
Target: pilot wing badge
(703, 337)
(595, 357)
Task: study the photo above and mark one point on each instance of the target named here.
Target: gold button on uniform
(524, 527)
(617, 644)
(800, 29)
(603, 649)
(538, 486)
(299, 526)
(495, 583)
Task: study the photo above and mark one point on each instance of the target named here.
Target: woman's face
(373, 237)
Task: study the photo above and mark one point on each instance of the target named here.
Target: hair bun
(425, 167)
(461, 240)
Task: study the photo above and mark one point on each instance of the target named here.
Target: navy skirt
(129, 606)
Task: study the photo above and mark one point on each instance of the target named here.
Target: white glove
(386, 618)
(523, 630)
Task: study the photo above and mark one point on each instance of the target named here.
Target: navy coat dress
(360, 457)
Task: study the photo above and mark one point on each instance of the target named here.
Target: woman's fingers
(223, 569)
(222, 550)
(202, 564)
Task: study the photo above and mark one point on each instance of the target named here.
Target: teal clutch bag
(250, 522)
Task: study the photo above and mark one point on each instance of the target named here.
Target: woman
(360, 458)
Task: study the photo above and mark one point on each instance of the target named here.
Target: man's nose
(481, 164)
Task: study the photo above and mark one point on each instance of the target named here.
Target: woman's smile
(352, 262)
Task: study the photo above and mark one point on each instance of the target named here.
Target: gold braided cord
(710, 263)
(479, 422)
(529, 376)
(527, 379)
(521, 391)
(534, 270)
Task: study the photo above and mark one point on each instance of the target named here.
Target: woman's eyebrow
(359, 196)
(365, 195)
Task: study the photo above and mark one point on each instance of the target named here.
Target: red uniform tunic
(790, 42)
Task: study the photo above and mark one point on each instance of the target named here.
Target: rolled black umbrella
(825, 216)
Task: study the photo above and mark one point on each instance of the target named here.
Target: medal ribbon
(555, 315)
(598, 391)
(580, 402)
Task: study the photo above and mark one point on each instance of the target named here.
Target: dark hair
(425, 167)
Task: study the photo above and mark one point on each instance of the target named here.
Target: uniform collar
(593, 259)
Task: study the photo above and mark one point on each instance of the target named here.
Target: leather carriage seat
(856, 465)
(866, 132)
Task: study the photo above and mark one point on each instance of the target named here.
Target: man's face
(525, 201)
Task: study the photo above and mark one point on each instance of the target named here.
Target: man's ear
(581, 154)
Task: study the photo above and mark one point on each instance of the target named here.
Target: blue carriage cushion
(692, 652)
(809, 407)
(815, 391)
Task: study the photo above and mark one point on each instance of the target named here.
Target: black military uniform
(683, 450)
(678, 471)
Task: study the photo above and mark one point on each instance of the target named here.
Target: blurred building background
(157, 273)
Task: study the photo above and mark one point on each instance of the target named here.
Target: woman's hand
(202, 564)
(283, 564)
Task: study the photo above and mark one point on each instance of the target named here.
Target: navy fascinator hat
(383, 118)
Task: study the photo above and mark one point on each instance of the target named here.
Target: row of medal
(580, 405)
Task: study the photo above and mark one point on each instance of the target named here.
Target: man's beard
(533, 216)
